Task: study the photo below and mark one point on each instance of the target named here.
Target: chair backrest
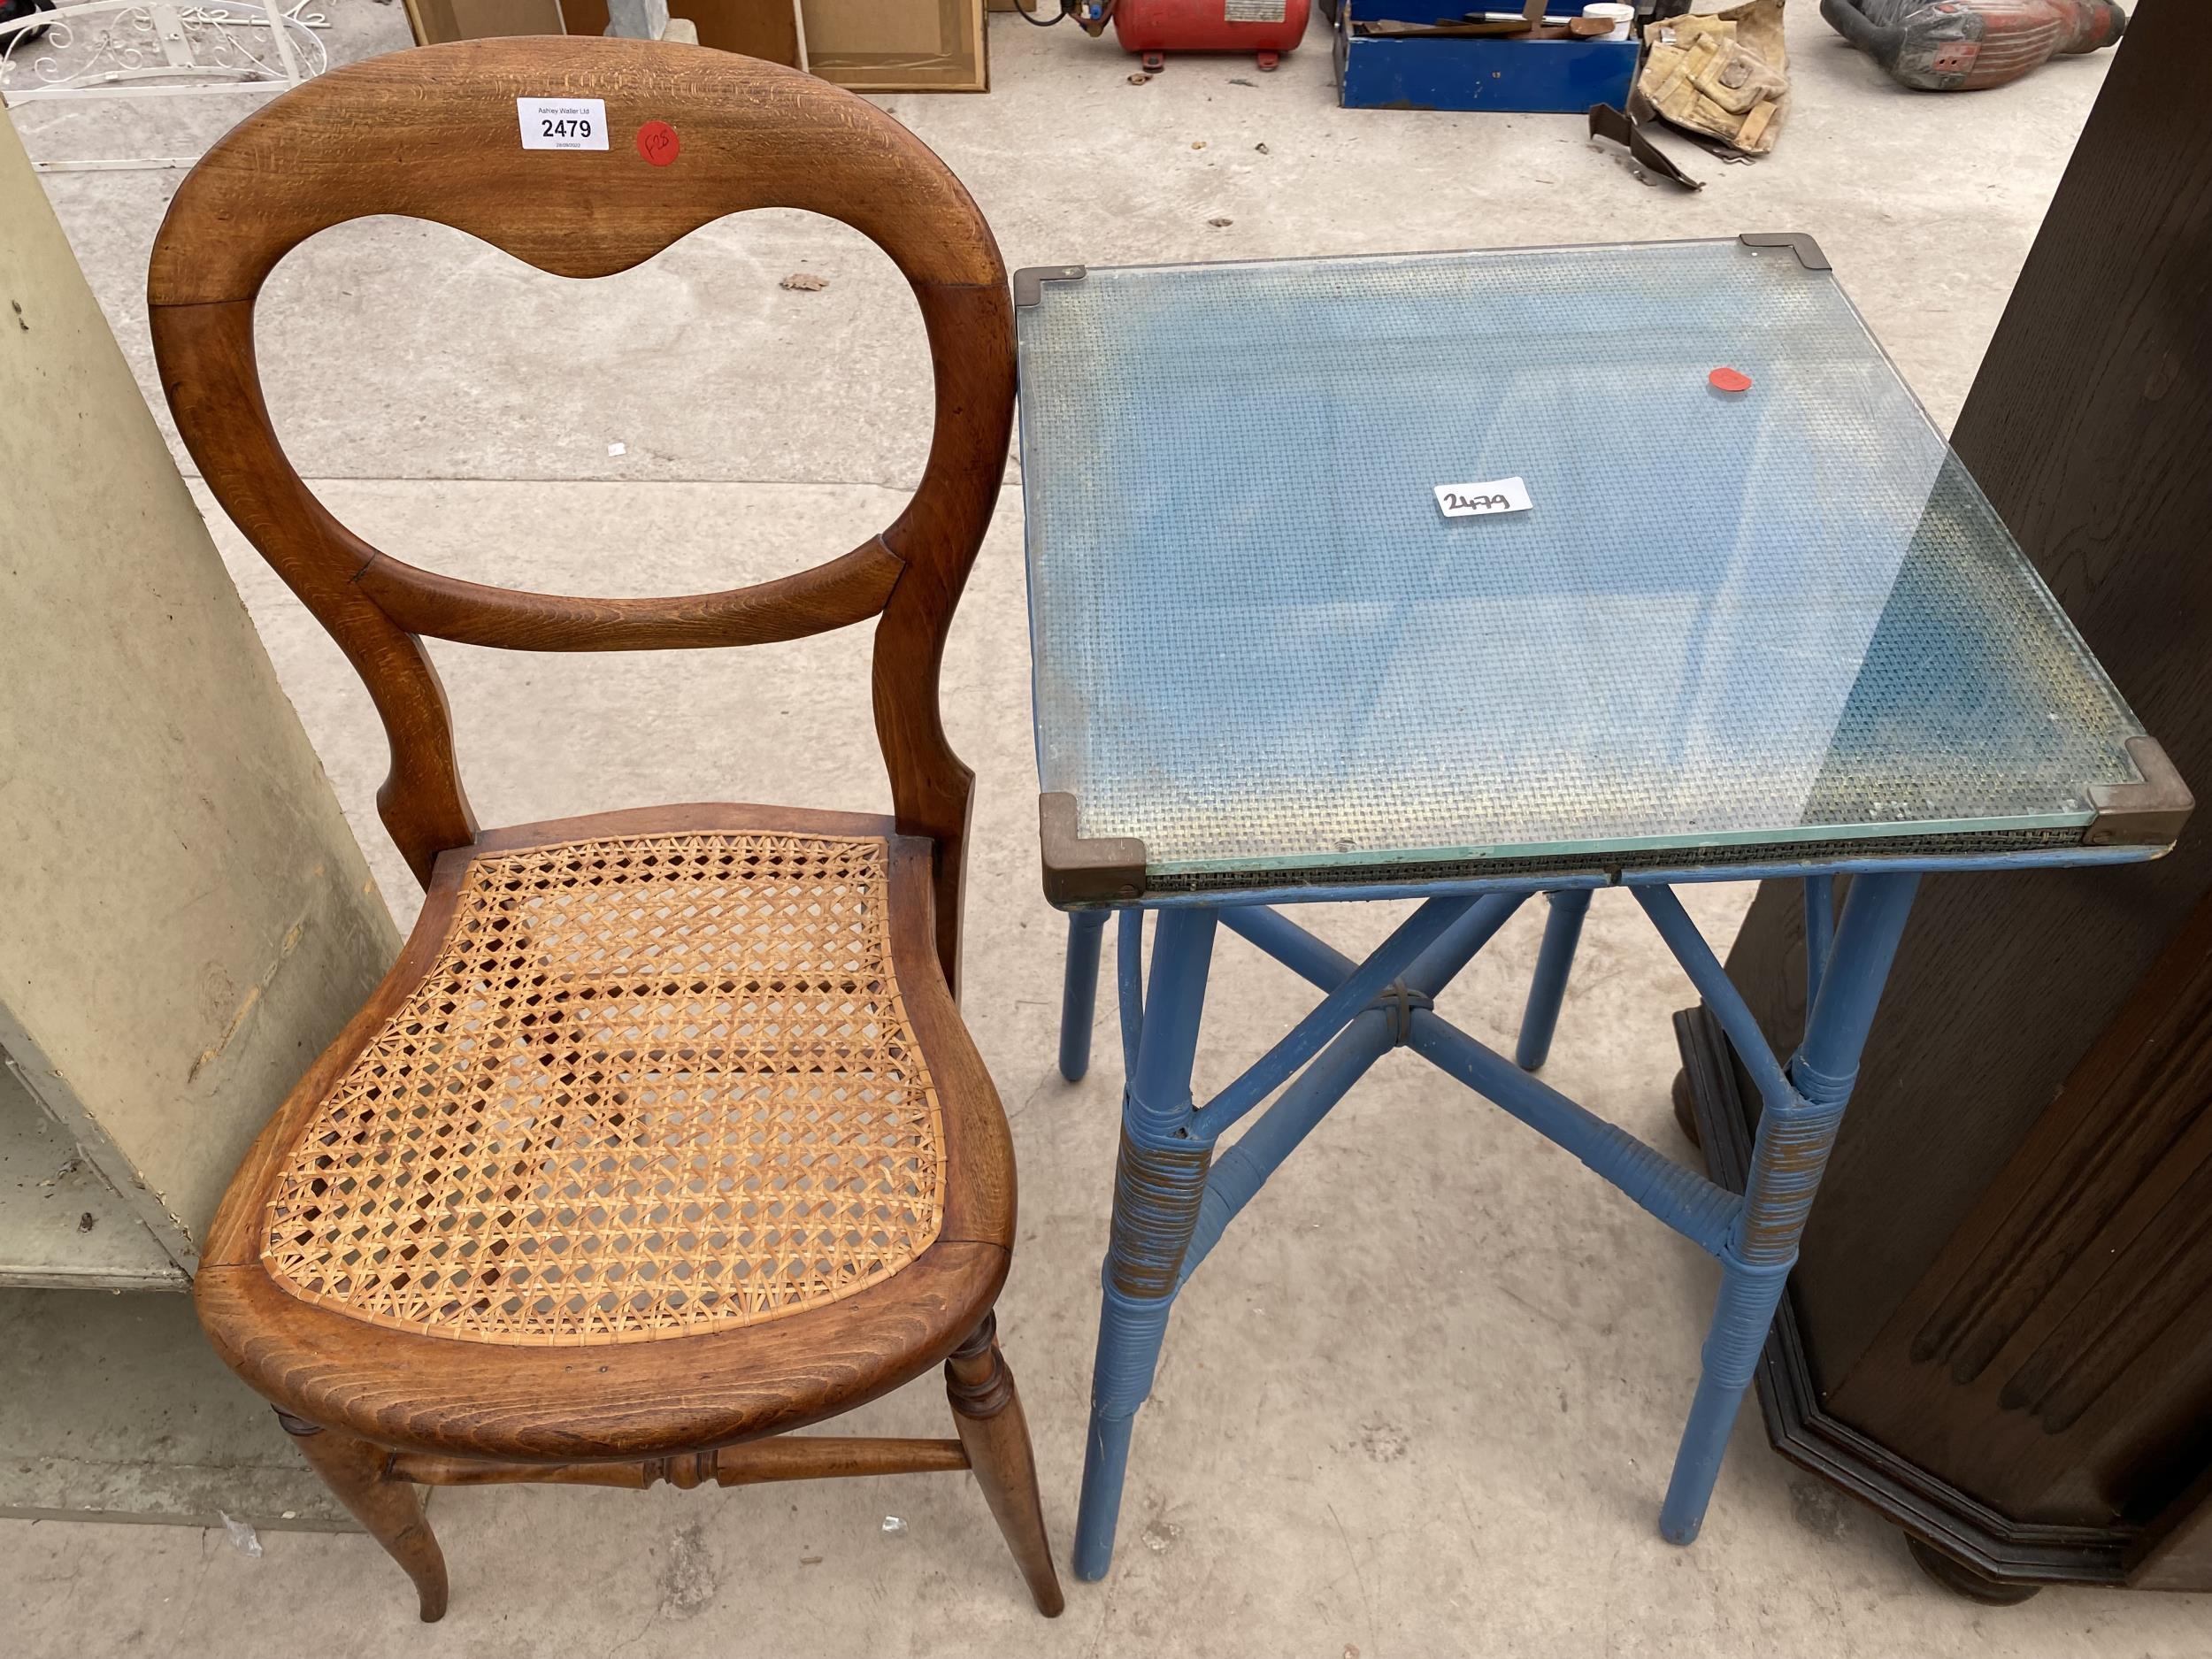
(691, 134)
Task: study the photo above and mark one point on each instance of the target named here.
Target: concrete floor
(1424, 1400)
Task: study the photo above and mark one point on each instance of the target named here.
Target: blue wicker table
(1473, 576)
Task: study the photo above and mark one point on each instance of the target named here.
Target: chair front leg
(988, 1414)
(359, 1474)
(1158, 1183)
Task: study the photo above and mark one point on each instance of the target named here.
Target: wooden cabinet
(188, 919)
(185, 922)
(2000, 1332)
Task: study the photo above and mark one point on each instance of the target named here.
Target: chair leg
(358, 1472)
(987, 1413)
(1563, 930)
(1079, 994)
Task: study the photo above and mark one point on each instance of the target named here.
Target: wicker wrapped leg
(1158, 1185)
(1789, 1153)
(359, 1473)
(988, 1414)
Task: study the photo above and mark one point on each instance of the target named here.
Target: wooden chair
(664, 1136)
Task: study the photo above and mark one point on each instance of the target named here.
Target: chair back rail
(433, 134)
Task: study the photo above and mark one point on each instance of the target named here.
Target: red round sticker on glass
(658, 142)
(1725, 379)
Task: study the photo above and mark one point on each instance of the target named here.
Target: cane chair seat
(651, 1086)
(654, 1106)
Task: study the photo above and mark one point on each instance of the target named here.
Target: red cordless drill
(1964, 45)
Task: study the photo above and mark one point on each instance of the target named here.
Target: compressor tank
(1266, 28)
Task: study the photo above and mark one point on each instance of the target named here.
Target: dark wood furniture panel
(2000, 1331)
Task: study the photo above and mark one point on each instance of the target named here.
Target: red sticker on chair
(658, 142)
(1727, 379)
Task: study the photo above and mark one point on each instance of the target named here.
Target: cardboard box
(868, 45)
(898, 45)
(758, 28)
(436, 21)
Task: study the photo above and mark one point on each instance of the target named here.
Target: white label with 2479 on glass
(1497, 495)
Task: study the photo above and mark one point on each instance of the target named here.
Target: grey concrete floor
(1423, 1399)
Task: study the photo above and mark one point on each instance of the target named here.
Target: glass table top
(1382, 568)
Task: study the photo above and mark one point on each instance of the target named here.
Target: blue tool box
(1475, 72)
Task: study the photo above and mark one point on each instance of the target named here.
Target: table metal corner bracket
(1797, 242)
(2147, 814)
(1105, 870)
(1029, 282)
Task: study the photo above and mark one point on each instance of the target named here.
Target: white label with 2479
(563, 123)
(1497, 495)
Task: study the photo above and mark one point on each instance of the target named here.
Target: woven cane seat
(649, 1087)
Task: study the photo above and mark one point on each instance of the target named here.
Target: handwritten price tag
(563, 123)
(1498, 495)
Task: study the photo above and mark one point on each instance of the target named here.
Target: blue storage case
(1475, 72)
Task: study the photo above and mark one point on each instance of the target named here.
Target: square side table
(1470, 576)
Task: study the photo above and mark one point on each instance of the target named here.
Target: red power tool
(1964, 45)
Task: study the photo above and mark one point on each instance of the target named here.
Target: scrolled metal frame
(157, 46)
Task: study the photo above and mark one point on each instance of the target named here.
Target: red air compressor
(1152, 28)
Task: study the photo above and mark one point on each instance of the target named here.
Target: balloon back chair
(664, 1135)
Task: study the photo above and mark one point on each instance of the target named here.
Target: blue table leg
(1158, 1184)
(1129, 985)
(1796, 1133)
(1563, 930)
(1820, 932)
(1079, 994)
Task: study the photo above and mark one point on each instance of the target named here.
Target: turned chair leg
(358, 1472)
(988, 1415)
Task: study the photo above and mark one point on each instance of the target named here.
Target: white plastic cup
(1619, 15)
